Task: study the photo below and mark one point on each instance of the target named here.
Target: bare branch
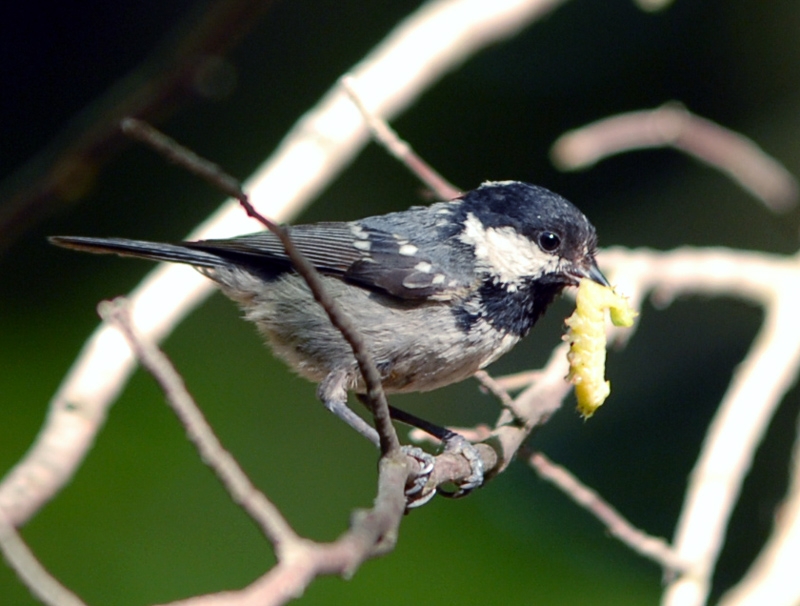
(187, 159)
(533, 407)
(653, 548)
(401, 150)
(518, 380)
(477, 433)
(673, 125)
(199, 432)
(492, 386)
(773, 578)
(30, 571)
(373, 532)
(760, 383)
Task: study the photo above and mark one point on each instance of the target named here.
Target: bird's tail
(158, 251)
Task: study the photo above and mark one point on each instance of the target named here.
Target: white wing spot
(423, 266)
(359, 232)
(364, 245)
(438, 279)
(408, 250)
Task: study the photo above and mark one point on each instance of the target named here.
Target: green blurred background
(143, 521)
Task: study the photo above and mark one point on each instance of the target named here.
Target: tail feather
(176, 253)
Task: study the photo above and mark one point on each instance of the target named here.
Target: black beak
(590, 270)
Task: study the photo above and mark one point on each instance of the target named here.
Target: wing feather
(369, 257)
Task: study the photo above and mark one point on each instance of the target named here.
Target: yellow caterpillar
(587, 342)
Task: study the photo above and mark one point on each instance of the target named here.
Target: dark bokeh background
(145, 522)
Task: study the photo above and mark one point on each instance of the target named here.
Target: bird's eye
(549, 241)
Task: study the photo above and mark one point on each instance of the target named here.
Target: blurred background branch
(673, 125)
(190, 65)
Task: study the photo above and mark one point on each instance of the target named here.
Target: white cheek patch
(505, 253)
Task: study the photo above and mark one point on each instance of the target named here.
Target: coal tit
(438, 292)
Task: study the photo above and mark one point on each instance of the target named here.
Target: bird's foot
(417, 490)
(458, 445)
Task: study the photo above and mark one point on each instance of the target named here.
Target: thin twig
(373, 533)
(199, 432)
(673, 125)
(653, 548)
(400, 149)
(171, 78)
(499, 392)
(518, 380)
(184, 157)
(44, 586)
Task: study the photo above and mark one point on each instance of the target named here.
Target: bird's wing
(366, 256)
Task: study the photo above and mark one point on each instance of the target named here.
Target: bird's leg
(333, 394)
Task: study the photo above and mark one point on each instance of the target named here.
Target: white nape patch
(506, 254)
(423, 266)
(408, 250)
(490, 183)
(364, 245)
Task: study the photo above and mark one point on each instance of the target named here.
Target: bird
(438, 292)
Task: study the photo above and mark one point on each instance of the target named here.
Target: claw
(416, 493)
(459, 445)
